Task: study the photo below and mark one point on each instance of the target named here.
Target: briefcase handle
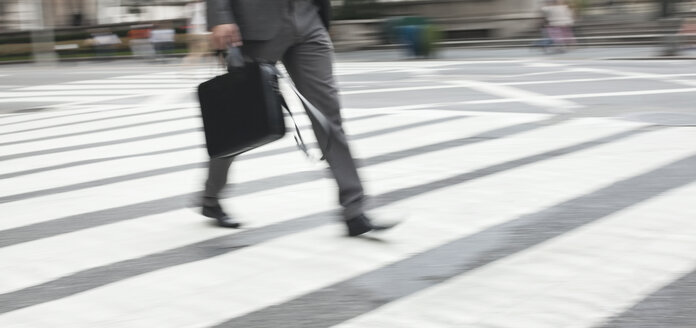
(234, 58)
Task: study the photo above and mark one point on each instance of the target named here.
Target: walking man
(294, 32)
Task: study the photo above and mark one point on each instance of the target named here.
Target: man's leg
(218, 168)
(309, 64)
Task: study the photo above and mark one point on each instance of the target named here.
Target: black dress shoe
(362, 224)
(222, 218)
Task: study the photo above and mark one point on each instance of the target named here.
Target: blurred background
(64, 29)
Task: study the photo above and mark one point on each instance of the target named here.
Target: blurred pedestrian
(294, 32)
(162, 38)
(412, 38)
(545, 42)
(559, 18)
(687, 33)
(197, 37)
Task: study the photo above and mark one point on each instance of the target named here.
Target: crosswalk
(510, 219)
(109, 89)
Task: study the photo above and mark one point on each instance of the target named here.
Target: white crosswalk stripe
(106, 89)
(99, 224)
(573, 281)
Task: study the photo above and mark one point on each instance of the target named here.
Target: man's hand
(226, 34)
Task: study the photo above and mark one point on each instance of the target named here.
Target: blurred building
(486, 18)
(22, 15)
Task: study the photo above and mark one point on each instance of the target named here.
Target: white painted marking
(578, 96)
(104, 136)
(32, 263)
(583, 80)
(62, 260)
(545, 65)
(119, 194)
(316, 258)
(53, 113)
(86, 70)
(69, 176)
(549, 103)
(531, 74)
(625, 93)
(116, 150)
(658, 77)
(73, 92)
(59, 98)
(122, 87)
(115, 87)
(350, 68)
(577, 280)
(393, 109)
(105, 124)
(118, 98)
(63, 115)
(428, 87)
(165, 82)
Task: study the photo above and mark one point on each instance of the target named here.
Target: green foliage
(431, 36)
(579, 5)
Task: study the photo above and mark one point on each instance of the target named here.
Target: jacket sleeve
(219, 12)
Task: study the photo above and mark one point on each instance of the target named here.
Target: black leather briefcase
(241, 109)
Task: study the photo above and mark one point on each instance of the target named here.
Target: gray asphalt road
(539, 192)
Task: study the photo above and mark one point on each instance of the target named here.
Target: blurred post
(42, 36)
(198, 36)
(162, 38)
(672, 42)
(666, 8)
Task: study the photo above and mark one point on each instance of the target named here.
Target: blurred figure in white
(162, 38)
(198, 35)
(559, 18)
(545, 42)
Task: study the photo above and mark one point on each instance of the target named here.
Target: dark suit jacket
(257, 19)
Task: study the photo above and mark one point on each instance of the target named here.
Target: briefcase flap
(241, 110)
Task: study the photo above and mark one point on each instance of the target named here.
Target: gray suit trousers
(304, 47)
